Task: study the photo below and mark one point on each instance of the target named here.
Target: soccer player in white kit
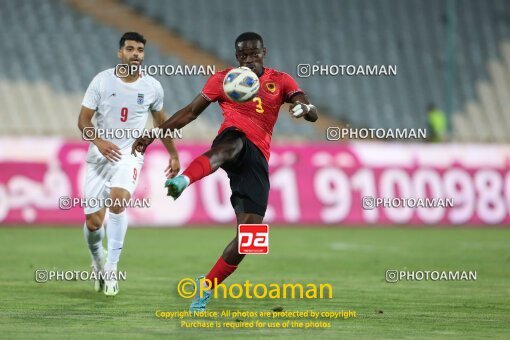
(121, 100)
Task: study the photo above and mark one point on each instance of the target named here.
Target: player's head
(131, 48)
(250, 51)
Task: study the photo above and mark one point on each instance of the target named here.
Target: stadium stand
(55, 50)
(354, 32)
(53, 54)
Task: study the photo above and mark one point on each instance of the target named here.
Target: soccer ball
(241, 84)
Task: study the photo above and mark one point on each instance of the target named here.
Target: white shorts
(104, 175)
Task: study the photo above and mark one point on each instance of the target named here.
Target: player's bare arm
(108, 149)
(298, 110)
(174, 165)
(179, 120)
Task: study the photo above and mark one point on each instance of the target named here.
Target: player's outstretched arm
(108, 149)
(174, 166)
(301, 107)
(179, 120)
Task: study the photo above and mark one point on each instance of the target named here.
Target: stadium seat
(358, 32)
(71, 49)
(335, 32)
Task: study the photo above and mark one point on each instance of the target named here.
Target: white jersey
(121, 105)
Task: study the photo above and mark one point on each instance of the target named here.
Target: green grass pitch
(354, 261)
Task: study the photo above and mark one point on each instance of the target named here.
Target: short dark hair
(249, 36)
(131, 36)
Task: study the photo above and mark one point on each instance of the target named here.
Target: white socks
(187, 180)
(94, 241)
(115, 231)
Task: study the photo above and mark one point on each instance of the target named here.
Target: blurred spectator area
(53, 50)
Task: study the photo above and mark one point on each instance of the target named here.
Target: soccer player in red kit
(242, 145)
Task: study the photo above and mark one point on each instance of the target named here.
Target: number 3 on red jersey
(258, 108)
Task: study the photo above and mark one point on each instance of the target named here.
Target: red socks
(220, 271)
(199, 168)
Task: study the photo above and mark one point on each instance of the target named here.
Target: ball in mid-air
(241, 84)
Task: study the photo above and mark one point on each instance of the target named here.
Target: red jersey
(257, 117)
